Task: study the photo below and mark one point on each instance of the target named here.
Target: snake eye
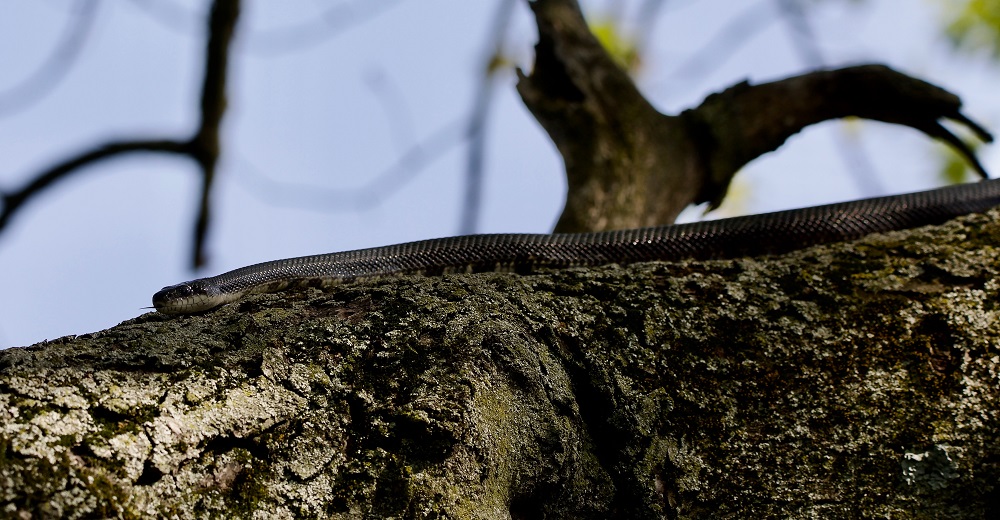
(171, 293)
(187, 297)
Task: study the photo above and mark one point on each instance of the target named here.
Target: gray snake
(753, 235)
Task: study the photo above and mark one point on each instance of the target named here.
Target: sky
(329, 108)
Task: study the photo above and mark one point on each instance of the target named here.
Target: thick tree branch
(747, 121)
(609, 136)
(854, 380)
(627, 165)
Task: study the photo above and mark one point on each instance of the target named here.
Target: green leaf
(954, 168)
(621, 47)
(975, 26)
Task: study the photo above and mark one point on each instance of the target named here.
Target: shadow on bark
(854, 380)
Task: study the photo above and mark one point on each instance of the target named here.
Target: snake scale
(753, 235)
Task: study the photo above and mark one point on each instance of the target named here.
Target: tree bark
(850, 380)
(629, 166)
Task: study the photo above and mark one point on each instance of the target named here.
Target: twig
(726, 41)
(409, 164)
(646, 18)
(202, 147)
(319, 29)
(48, 76)
(478, 119)
(858, 165)
(394, 105)
(221, 26)
(12, 202)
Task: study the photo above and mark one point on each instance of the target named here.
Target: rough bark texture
(853, 380)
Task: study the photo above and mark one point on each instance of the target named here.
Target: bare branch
(169, 14)
(648, 14)
(391, 99)
(628, 165)
(202, 147)
(803, 37)
(221, 26)
(416, 158)
(726, 42)
(48, 76)
(614, 144)
(12, 202)
(478, 119)
(322, 198)
(319, 29)
(859, 166)
(747, 121)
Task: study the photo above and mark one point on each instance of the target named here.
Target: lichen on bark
(855, 379)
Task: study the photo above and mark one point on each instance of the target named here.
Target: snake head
(187, 297)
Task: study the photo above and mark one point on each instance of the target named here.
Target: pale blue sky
(91, 252)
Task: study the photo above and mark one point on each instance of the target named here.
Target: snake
(762, 234)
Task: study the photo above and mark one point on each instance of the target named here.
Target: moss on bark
(856, 379)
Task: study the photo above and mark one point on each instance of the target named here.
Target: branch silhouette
(628, 165)
(202, 147)
(169, 14)
(326, 25)
(479, 120)
(366, 196)
(12, 202)
(48, 76)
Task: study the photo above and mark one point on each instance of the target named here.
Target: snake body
(754, 235)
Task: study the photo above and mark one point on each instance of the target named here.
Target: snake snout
(185, 297)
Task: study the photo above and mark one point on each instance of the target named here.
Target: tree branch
(331, 22)
(48, 76)
(609, 136)
(202, 146)
(12, 202)
(205, 143)
(726, 42)
(722, 389)
(629, 166)
(478, 120)
(324, 198)
(744, 122)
